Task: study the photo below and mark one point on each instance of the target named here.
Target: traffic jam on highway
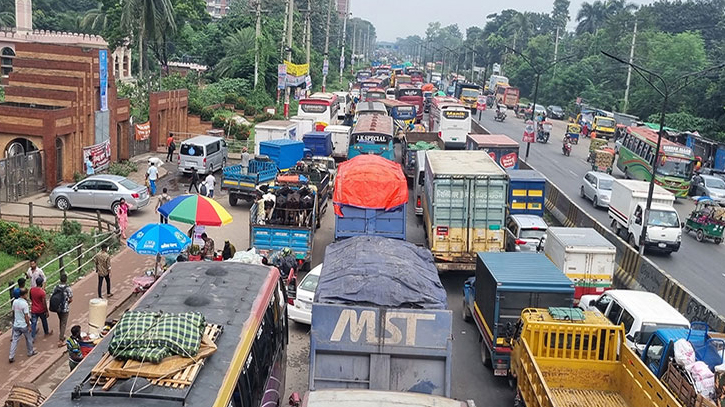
(405, 148)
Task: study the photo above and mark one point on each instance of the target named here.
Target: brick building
(217, 8)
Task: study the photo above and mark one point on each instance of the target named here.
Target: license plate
(662, 245)
(500, 372)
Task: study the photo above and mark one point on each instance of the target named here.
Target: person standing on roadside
(170, 148)
(194, 180)
(33, 273)
(21, 321)
(122, 216)
(38, 308)
(210, 181)
(245, 160)
(60, 304)
(163, 198)
(153, 173)
(102, 261)
(89, 165)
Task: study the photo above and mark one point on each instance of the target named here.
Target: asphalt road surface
(698, 266)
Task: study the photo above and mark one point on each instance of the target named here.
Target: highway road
(698, 266)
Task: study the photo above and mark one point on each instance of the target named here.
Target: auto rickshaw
(603, 159)
(594, 145)
(707, 220)
(573, 130)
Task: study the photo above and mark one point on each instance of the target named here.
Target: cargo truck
(464, 207)
(503, 149)
(527, 191)
(569, 357)
(585, 256)
(340, 141)
(504, 285)
(356, 398)
(381, 323)
(274, 130)
(410, 148)
(284, 152)
(627, 208)
(243, 185)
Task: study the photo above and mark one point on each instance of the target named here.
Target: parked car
(597, 187)
(555, 112)
(100, 192)
(301, 309)
(525, 233)
(708, 185)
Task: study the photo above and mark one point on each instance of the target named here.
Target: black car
(555, 112)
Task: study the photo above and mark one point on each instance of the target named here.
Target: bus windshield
(676, 167)
(665, 219)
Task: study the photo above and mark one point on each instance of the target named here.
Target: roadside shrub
(250, 110)
(77, 176)
(262, 117)
(230, 99)
(195, 107)
(25, 243)
(206, 114)
(218, 122)
(122, 168)
(70, 227)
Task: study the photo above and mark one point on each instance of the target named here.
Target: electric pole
(308, 32)
(629, 68)
(367, 44)
(556, 49)
(326, 62)
(344, 36)
(290, 16)
(284, 35)
(257, 33)
(354, 40)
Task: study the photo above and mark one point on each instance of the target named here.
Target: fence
(46, 217)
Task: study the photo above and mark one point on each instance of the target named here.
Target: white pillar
(24, 16)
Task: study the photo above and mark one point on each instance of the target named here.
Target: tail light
(135, 195)
(440, 134)
(417, 202)
(204, 161)
(520, 242)
(291, 301)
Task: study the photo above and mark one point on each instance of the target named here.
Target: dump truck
(414, 142)
(382, 323)
(570, 357)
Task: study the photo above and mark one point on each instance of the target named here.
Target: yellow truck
(604, 126)
(566, 357)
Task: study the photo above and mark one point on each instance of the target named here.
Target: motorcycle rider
(566, 147)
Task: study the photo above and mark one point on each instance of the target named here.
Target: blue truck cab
(660, 347)
(318, 143)
(505, 284)
(527, 192)
(243, 185)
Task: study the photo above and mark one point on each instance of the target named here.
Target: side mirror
(682, 225)
(630, 337)
(75, 188)
(592, 303)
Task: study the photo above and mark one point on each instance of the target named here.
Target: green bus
(637, 155)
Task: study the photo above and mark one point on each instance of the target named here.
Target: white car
(301, 309)
(597, 187)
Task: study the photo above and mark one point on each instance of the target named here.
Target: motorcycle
(566, 148)
(500, 114)
(544, 132)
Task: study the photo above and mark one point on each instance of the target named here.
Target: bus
(372, 134)
(636, 151)
(320, 107)
(403, 79)
(451, 120)
(416, 76)
(374, 94)
(243, 306)
(403, 114)
(507, 95)
(366, 108)
(362, 74)
(411, 94)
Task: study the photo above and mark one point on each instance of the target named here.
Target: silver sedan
(100, 192)
(597, 187)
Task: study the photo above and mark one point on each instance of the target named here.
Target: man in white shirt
(245, 160)
(153, 173)
(34, 272)
(210, 181)
(21, 321)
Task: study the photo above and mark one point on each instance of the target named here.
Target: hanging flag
(143, 131)
(325, 67)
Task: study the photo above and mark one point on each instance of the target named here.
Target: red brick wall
(167, 113)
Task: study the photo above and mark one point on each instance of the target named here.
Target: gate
(21, 175)
(137, 147)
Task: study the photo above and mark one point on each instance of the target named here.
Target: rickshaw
(594, 145)
(603, 159)
(573, 130)
(706, 220)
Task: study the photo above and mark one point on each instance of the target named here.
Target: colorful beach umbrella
(196, 210)
(158, 238)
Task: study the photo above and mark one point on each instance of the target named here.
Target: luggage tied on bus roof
(370, 181)
(152, 336)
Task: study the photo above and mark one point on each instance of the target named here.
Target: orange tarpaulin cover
(427, 86)
(370, 181)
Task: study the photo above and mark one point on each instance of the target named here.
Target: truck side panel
(380, 349)
(487, 215)
(377, 222)
(269, 238)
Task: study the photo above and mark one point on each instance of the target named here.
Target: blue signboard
(103, 76)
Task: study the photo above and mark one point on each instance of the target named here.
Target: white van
(205, 153)
(419, 182)
(340, 140)
(345, 100)
(641, 312)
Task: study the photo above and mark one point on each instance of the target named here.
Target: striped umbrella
(196, 210)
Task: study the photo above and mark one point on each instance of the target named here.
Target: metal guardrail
(30, 217)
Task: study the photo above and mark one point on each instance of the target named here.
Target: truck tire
(232, 200)
(718, 240)
(466, 312)
(700, 235)
(485, 354)
(632, 241)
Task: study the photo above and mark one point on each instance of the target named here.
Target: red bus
(413, 95)
(416, 77)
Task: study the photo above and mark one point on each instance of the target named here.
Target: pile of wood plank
(174, 371)
(24, 395)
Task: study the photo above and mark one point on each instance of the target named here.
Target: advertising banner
(101, 154)
(281, 76)
(297, 70)
(325, 67)
(103, 75)
(143, 131)
(529, 132)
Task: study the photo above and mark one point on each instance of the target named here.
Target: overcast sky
(400, 18)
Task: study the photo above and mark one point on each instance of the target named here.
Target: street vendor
(207, 252)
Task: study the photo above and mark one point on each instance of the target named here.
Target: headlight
(679, 237)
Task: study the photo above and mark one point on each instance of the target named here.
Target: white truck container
(584, 255)
(274, 130)
(340, 141)
(627, 207)
(304, 125)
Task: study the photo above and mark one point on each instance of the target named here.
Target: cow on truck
(380, 319)
(569, 357)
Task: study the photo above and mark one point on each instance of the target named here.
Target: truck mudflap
(381, 349)
(455, 263)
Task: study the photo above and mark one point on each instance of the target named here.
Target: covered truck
(241, 184)
(340, 141)
(527, 191)
(569, 357)
(318, 143)
(370, 198)
(504, 285)
(379, 319)
(585, 256)
(417, 141)
(274, 130)
(464, 207)
(503, 149)
(284, 152)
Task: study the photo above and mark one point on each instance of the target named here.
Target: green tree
(560, 14)
(240, 50)
(148, 20)
(591, 17)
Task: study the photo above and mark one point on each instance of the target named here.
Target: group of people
(206, 187)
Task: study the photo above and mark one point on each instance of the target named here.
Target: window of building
(6, 61)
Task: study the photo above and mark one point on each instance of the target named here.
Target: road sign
(529, 133)
(481, 103)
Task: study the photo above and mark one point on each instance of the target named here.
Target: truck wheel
(485, 356)
(718, 240)
(232, 200)
(466, 312)
(700, 235)
(632, 242)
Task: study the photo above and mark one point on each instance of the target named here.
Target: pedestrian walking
(102, 261)
(194, 180)
(163, 198)
(89, 165)
(153, 173)
(60, 304)
(38, 308)
(122, 216)
(33, 273)
(245, 160)
(210, 181)
(73, 344)
(170, 148)
(21, 322)
(16, 291)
